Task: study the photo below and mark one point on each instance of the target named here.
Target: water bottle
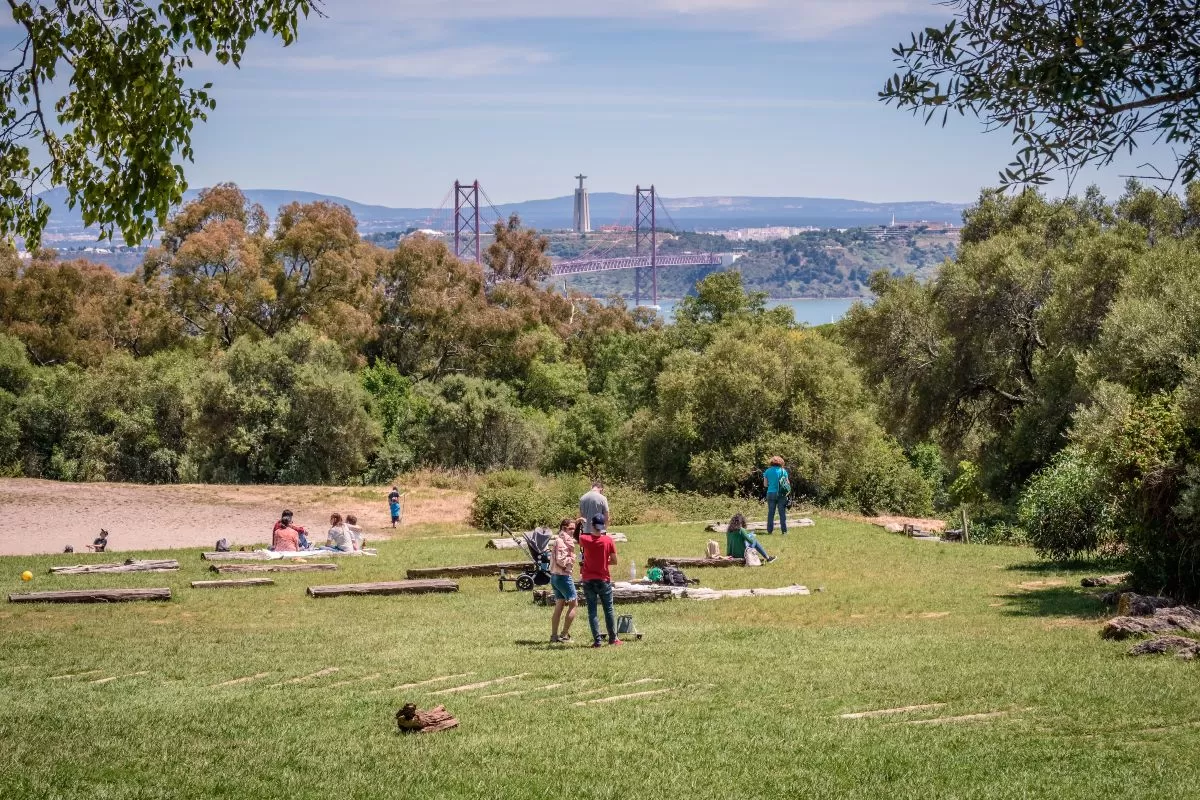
(632, 570)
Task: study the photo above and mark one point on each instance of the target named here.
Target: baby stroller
(536, 573)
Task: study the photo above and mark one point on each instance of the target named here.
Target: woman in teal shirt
(776, 498)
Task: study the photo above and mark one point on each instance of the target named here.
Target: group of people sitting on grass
(344, 535)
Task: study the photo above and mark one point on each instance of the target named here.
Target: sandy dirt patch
(39, 516)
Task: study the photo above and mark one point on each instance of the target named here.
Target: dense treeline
(290, 350)
(1057, 361)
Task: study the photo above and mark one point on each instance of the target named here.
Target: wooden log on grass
(384, 587)
(235, 584)
(468, 570)
(513, 544)
(243, 568)
(92, 596)
(686, 561)
(621, 595)
(152, 565)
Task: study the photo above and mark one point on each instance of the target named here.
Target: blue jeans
(600, 590)
(774, 501)
(762, 551)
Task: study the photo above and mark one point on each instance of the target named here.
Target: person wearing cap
(774, 478)
(599, 553)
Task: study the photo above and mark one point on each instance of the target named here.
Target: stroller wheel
(525, 582)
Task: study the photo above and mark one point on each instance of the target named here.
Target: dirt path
(45, 516)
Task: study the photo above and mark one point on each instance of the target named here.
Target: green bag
(785, 484)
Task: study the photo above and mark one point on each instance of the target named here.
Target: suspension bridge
(646, 259)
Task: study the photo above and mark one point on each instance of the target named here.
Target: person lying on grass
(738, 538)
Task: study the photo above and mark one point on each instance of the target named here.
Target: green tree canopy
(1077, 82)
(96, 99)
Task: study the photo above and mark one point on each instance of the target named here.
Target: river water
(811, 310)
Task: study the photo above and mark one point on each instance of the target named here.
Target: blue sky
(388, 101)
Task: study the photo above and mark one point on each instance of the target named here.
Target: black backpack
(222, 545)
(673, 576)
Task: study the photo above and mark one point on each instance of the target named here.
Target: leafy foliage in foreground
(1077, 83)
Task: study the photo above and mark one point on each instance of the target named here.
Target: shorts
(395, 518)
(564, 587)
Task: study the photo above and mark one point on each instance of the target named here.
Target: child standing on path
(394, 505)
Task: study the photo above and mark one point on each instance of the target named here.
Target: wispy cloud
(445, 62)
(794, 19)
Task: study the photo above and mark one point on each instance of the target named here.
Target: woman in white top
(339, 535)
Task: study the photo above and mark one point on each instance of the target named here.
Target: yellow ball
(26, 575)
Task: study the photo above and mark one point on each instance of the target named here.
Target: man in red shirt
(599, 553)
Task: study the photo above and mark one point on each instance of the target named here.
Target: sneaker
(597, 643)
(615, 642)
(565, 639)
(555, 639)
(771, 558)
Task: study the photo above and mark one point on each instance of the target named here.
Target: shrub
(1064, 510)
(514, 499)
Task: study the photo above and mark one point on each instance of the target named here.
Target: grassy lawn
(749, 691)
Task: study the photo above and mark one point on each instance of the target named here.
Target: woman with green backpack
(778, 486)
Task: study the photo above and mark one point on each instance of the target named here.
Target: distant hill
(607, 208)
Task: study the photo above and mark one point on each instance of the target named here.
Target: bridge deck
(578, 266)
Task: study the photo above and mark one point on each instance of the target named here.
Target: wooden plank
(154, 565)
(384, 587)
(234, 584)
(468, 570)
(92, 596)
(621, 596)
(273, 567)
(506, 543)
(614, 698)
(687, 561)
(264, 555)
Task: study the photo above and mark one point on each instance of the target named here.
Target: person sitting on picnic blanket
(356, 533)
(340, 538)
(288, 537)
(738, 538)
